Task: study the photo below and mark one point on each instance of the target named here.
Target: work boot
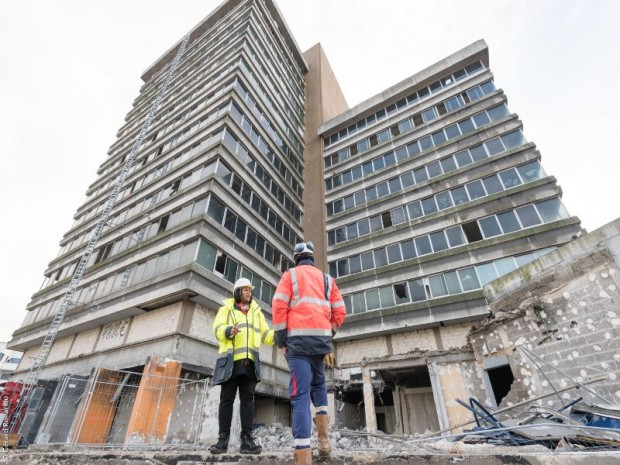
(248, 446)
(221, 446)
(322, 429)
(303, 456)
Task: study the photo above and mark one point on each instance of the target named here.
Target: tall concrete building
(416, 198)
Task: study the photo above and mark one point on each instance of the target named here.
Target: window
(472, 232)
(531, 171)
(386, 295)
(401, 293)
(380, 258)
(475, 189)
(551, 210)
(423, 245)
(468, 278)
(367, 261)
(414, 209)
(417, 290)
(481, 119)
(510, 178)
(490, 227)
(486, 272)
(494, 146)
(443, 200)
(438, 239)
(372, 299)
(355, 264)
(459, 195)
(455, 236)
(438, 285)
(492, 184)
(508, 221)
(528, 216)
(394, 254)
(453, 103)
(408, 249)
(429, 115)
(429, 206)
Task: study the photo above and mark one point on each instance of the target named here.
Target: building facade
(426, 193)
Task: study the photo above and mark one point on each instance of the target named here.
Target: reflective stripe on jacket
(253, 331)
(302, 317)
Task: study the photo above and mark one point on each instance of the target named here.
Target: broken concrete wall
(565, 309)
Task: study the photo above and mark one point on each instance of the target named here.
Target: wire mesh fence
(115, 408)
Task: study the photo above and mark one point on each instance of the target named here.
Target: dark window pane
(443, 200)
(343, 267)
(414, 210)
(438, 285)
(380, 258)
(490, 226)
(434, 169)
(429, 206)
(406, 179)
(363, 226)
(531, 171)
(481, 119)
(448, 164)
(438, 138)
(452, 283)
(508, 221)
(386, 219)
(341, 235)
(492, 184)
(401, 293)
(466, 126)
(367, 261)
(459, 195)
(472, 231)
(423, 245)
(417, 290)
(230, 221)
(426, 143)
(393, 253)
(455, 236)
(355, 264)
(420, 175)
(494, 146)
(475, 189)
(398, 215)
(216, 210)
(513, 139)
(394, 185)
(331, 237)
(463, 158)
(528, 216)
(438, 239)
(408, 249)
(478, 153)
(551, 210)
(510, 178)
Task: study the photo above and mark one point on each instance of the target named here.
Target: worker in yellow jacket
(240, 327)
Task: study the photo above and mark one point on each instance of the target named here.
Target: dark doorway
(501, 379)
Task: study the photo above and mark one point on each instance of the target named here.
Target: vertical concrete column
(154, 402)
(97, 409)
(369, 403)
(398, 414)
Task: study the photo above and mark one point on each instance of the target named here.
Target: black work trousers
(246, 385)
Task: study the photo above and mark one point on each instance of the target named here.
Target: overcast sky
(70, 69)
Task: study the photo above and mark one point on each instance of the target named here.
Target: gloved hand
(330, 360)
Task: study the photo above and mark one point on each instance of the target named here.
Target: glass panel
(429, 206)
(414, 209)
(426, 143)
(455, 236)
(528, 216)
(429, 115)
(490, 226)
(216, 210)
(448, 164)
(387, 296)
(372, 299)
(434, 169)
(375, 223)
(363, 226)
(513, 139)
(494, 146)
(416, 288)
(343, 267)
(206, 255)
(523, 260)
(505, 265)
(466, 126)
(380, 258)
(438, 239)
(508, 221)
(510, 178)
(420, 175)
(393, 253)
(359, 305)
(355, 265)
(531, 171)
(498, 112)
(406, 179)
(475, 189)
(408, 249)
(368, 262)
(469, 280)
(438, 285)
(423, 245)
(444, 200)
(551, 210)
(394, 185)
(481, 119)
(486, 273)
(492, 184)
(398, 215)
(438, 138)
(351, 231)
(382, 189)
(459, 195)
(452, 283)
(478, 153)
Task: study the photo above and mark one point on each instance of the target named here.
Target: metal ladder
(39, 360)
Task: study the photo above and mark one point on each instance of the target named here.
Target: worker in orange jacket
(307, 311)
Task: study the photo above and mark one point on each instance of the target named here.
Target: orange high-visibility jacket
(303, 319)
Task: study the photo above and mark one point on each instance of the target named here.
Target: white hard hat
(242, 282)
(303, 248)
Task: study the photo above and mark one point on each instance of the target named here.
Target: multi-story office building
(416, 198)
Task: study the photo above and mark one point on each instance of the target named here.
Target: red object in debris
(8, 403)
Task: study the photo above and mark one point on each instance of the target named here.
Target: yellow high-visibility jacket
(253, 331)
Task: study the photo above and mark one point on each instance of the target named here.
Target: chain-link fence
(114, 408)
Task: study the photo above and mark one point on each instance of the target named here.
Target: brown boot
(322, 428)
(303, 456)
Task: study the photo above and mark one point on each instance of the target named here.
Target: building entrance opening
(500, 379)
